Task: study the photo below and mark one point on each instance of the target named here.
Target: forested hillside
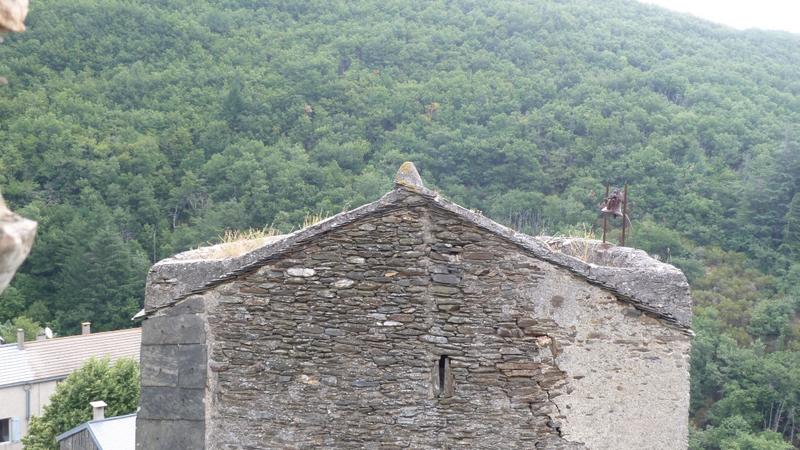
(134, 130)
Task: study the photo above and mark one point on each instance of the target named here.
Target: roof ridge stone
(408, 177)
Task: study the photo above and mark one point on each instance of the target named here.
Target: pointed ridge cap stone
(407, 176)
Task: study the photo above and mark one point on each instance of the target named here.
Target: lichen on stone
(408, 176)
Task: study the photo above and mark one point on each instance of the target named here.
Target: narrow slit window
(443, 366)
(445, 378)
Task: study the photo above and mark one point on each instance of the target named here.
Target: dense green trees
(8, 330)
(131, 131)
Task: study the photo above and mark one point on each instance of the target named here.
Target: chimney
(20, 338)
(86, 327)
(98, 410)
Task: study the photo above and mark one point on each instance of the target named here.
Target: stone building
(411, 322)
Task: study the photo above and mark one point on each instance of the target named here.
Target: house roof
(54, 359)
(634, 277)
(113, 433)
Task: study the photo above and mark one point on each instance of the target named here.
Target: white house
(30, 372)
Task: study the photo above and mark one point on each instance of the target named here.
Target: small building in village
(30, 372)
(412, 322)
(101, 433)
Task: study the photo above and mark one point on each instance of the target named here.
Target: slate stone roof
(634, 277)
(55, 359)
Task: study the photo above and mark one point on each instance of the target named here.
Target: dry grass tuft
(230, 236)
(578, 241)
(232, 243)
(313, 219)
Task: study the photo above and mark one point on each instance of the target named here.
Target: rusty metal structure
(615, 205)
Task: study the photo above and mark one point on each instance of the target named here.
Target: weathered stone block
(169, 434)
(446, 278)
(179, 329)
(192, 364)
(192, 305)
(302, 272)
(171, 403)
(159, 365)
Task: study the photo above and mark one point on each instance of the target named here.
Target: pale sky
(742, 14)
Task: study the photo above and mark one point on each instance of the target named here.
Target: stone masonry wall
(628, 373)
(413, 329)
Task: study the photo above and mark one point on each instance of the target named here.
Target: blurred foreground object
(16, 232)
(16, 239)
(12, 15)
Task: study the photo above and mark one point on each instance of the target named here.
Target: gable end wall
(338, 344)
